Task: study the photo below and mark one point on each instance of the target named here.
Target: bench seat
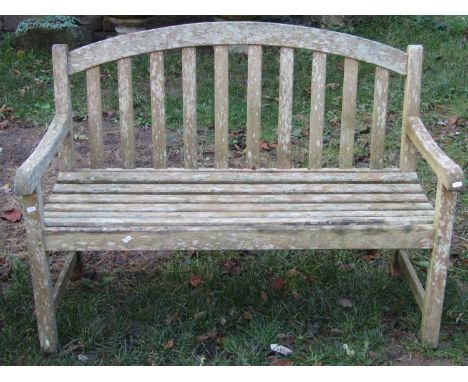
(177, 209)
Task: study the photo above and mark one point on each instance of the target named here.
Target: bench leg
(40, 273)
(437, 270)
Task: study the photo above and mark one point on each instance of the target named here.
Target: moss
(48, 22)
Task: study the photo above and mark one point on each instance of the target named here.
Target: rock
(11, 22)
(93, 23)
(44, 38)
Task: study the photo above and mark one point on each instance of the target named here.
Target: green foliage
(47, 22)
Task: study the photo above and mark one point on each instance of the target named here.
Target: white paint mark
(457, 184)
(126, 239)
(31, 209)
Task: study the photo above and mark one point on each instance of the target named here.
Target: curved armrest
(29, 174)
(449, 173)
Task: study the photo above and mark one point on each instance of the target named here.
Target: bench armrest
(449, 173)
(29, 174)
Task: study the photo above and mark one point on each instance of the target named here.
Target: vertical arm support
(411, 106)
(63, 103)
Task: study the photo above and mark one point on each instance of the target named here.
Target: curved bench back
(220, 35)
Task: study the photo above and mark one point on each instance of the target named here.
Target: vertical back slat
(189, 89)
(411, 105)
(285, 106)
(254, 103)
(317, 108)
(93, 90)
(127, 128)
(63, 104)
(379, 116)
(221, 84)
(158, 109)
(348, 114)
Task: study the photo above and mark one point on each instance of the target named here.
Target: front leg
(40, 272)
(437, 269)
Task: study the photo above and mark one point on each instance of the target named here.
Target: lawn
(226, 308)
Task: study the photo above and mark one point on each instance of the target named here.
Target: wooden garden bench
(255, 208)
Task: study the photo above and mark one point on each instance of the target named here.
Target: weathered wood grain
(28, 176)
(379, 117)
(221, 94)
(213, 207)
(241, 238)
(254, 104)
(437, 269)
(266, 198)
(272, 188)
(63, 105)
(189, 89)
(233, 176)
(235, 33)
(64, 277)
(158, 109)
(411, 106)
(286, 77)
(408, 271)
(96, 141)
(317, 108)
(40, 273)
(348, 113)
(127, 127)
(449, 173)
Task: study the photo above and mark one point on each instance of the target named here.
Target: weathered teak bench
(255, 208)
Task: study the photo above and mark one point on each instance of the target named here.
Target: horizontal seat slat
(232, 199)
(273, 188)
(239, 237)
(176, 207)
(234, 214)
(326, 221)
(233, 177)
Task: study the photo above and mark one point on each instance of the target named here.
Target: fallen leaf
(345, 303)
(332, 85)
(336, 332)
(211, 334)
(281, 362)
(17, 72)
(169, 344)
(292, 272)
(108, 114)
(274, 145)
(296, 296)
(199, 315)
(368, 258)
(172, 318)
(345, 267)
(452, 120)
(12, 215)
(263, 296)
(285, 338)
(247, 316)
(277, 283)
(4, 124)
(265, 146)
(305, 133)
(194, 281)
(281, 349)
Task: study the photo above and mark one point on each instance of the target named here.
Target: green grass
(123, 318)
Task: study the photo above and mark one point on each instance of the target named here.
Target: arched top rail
(233, 33)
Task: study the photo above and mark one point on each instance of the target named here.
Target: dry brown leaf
(452, 120)
(265, 146)
(4, 124)
(277, 283)
(282, 362)
(172, 318)
(13, 215)
(345, 303)
(169, 344)
(296, 296)
(263, 296)
(247, 316)
(394, 270)
(194, 281)
(211, 334)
